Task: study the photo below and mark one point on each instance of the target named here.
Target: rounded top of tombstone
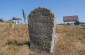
(40, 11)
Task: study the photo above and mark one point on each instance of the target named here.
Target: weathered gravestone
(41, 24)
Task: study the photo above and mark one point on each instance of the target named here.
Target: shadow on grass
(9, 42)
(25, 43)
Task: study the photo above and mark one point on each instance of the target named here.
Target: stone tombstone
(41, 25)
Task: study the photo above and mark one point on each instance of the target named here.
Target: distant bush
(1, 20)
(10, 21)
(82, 24)
(76, 23)
(68, 24)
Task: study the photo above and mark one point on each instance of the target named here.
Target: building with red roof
(70, 18)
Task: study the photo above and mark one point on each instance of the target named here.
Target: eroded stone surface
(41, 30)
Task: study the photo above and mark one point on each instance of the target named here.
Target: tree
(77, 23)
(1, 20)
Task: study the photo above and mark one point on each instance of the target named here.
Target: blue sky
(13, 8)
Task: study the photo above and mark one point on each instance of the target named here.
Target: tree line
(77, 23)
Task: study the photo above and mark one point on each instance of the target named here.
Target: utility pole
(24, 16)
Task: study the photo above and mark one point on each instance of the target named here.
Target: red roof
(70, 18)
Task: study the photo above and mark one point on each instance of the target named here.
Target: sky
(13, 8)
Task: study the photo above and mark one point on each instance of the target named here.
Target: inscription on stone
(41, 24)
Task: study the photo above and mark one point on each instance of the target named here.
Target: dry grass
(71, 40)
(13, 41)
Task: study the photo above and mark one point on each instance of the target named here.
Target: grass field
(14, 41)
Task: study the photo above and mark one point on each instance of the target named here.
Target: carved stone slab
(41, 24)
